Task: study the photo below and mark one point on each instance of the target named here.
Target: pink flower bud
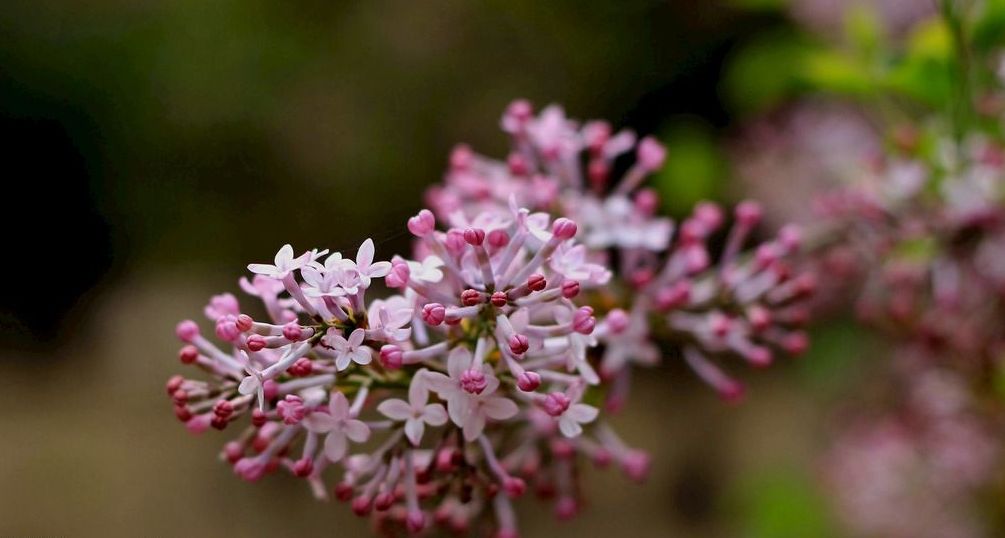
(635, 464)
(759, 356)
(517, 164)
(461, 157)
(383, 501)
(617, 321)
(647, 201)
(471, 297)
(433, 313)
(218, 422)
(499, 299)
(415, 521)
(399, 275)
(791, 237)
(766, 254)
(244, 322)
(188, 354)
(474, 236)
(759, 317)
(564, 228)
(514, 487)
(291, 409)
(271, 389)
(182, 413)
(556, 403)
(720, 325)
(570, 289)
(361, 505)
(258, 418)
(250, 469)
(302, 367)
(391, 357)
(674, 296)
(174, 384)
(180, 397)
(731, 391)
(498, 239)
(227, 330)
(583, 321)
(292, 332)
(455, 242)
(187, 330)
(566, 508)
(343, 491)
(199, 423)
(473, 381)
(598, 172)
(528, 381)
(709, 214)
(223, 408)
(748, 213)
(796, 343)
(233, 451)
(303, 467)
(536, 282)
(651, 154)
(422, 224)
(256, 342)
(518, 344)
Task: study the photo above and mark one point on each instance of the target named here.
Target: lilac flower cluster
(932, 237)
(668, 291)
(441, 403)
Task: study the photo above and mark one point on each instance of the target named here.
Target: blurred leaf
(919, 250)
(694, 170)
(764, 73)
(926, 72)
(864, 29)
(783, 503)
(835, 71)
(836, 355)
(989, 27)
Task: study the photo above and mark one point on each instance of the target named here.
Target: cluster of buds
(669, 290)
(441, 403)
(932, 239)
(930, 458)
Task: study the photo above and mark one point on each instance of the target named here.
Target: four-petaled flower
(365, 266)
(467, 409)
(284, 263)
(571, 421)
(339, 425)
(415, 412)
(347, 350)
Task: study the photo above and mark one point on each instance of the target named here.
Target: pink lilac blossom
(914, 472)
(661, 284)
(930, 236)
(440, 404)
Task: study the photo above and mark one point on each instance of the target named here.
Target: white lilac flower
(338, 427)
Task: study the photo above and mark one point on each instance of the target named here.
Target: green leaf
(694, 170)
(989, 27)
(864, 29)
(834, 71)
(764, 73)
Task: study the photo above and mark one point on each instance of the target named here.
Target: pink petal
(356, 338)
(335, 446)
(356, 430)
(570, 428)
(319, 422)
(248, 385)
(338, 406)
(474, 424)
(434, 415)
(413, 430)
(395, 409)
(364, 256)
(582, 413)
(498, 408)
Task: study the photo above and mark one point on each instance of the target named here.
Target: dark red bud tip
(188, 354)
(471, 297)
(499, 299)
(258, 418)
(536, 282)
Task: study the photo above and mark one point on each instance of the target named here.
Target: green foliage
(765, 72)
(989, 27)
(783, 503)
(695, 167)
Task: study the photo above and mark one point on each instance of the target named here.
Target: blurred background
(154, 148)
